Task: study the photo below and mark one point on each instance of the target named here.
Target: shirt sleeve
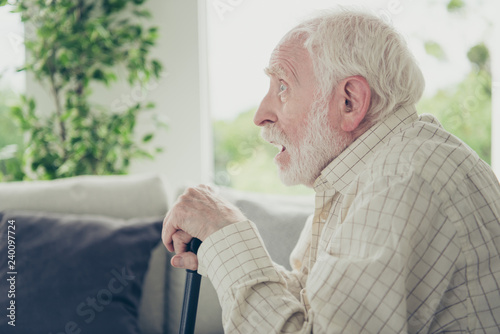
(256, 296)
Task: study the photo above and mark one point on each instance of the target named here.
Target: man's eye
(282, 88)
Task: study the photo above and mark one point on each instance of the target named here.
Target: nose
(266, 112)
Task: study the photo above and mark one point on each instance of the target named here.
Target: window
(450, 39)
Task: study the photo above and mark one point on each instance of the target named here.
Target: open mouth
(279, 146)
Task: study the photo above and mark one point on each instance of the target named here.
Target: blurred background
(210, 80)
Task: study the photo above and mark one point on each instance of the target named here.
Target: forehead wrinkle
(292, 69)
(286, 59)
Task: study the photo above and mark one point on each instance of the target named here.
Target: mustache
(272, 134)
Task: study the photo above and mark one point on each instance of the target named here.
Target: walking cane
(191, 293)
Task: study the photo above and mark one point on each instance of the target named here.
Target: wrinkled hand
(197, 213)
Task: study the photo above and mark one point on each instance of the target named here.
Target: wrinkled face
(294, 120)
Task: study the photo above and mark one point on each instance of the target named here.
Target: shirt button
(324, 216)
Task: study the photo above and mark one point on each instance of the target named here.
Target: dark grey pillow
(75, 272)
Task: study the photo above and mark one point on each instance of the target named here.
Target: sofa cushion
(76, 272)
(120, 196)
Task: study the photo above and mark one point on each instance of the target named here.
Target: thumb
(186, 260)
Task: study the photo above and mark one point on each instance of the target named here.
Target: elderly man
(405, 236)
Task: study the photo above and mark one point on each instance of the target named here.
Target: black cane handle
(191, 293)
(193, 246)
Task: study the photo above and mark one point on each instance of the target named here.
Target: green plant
(465, 110)
(74, 45)
(11, 141)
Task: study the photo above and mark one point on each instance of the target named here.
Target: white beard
(319, 146)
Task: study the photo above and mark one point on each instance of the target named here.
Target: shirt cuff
(232, 254)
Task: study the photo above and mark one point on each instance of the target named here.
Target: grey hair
(346, 43)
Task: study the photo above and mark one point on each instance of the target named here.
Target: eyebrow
(275, 70)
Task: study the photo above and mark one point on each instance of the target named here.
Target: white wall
(180, 96)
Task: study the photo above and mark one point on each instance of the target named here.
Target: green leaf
(46, 31)
(455, 5)
(63, 58)
(479, 55)
(157, 67)
(98, 74)
(142, 13)
(434, 49)
(31, 105)
(66, 115)
(17, 112)
(110, 76)
(147, 137)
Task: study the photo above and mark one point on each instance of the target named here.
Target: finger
(186, 260)
(180, 241)
(205, 186)
(190, 193)
(215, 189)
(167, 231)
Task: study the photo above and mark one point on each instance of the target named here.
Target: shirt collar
(344, 168)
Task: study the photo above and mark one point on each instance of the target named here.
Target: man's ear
(353, 100)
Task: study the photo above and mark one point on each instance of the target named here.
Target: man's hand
(197, 213)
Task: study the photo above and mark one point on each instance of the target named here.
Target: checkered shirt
(405, 238)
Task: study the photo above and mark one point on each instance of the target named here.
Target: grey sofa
(55, 217)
